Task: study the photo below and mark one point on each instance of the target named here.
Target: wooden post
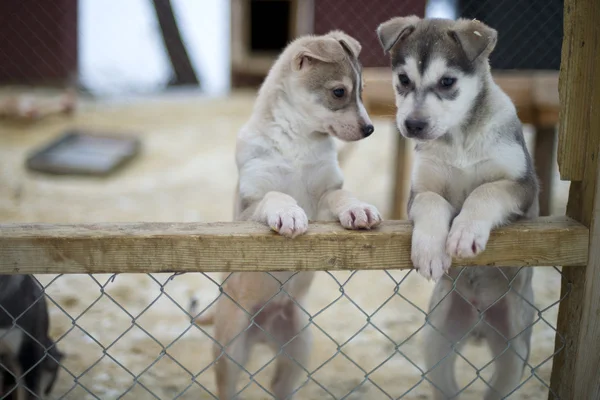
(576, 370)
(401, 179)
(174, 44)
(543, 156)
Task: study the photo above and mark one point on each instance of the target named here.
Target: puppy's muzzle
(416, 128)
(367, 130)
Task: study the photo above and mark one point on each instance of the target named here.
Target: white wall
(121, 49)
(442, 9)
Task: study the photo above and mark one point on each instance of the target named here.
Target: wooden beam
(246, 246)
(579, 55)
(543, 157)
(401, 175)
(183, 70)
(576, 369)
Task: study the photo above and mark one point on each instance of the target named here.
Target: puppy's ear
(350, 45)
(322, 49)
(475, 38)
(395, 30)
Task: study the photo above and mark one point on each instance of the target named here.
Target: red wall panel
(38, 41)
(360, 18)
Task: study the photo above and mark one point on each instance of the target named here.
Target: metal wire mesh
(132, 336)
(529, 33)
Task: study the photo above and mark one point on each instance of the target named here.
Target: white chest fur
(304, 170)
(454, 171)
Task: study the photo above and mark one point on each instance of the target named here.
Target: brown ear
(350, 45)
(476, 38)
(395, 30)
(322, 49)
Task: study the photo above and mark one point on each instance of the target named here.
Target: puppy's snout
(415, 127)
(367, 130)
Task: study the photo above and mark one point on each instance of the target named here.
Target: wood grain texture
(543, 157)
(577, 85)
(575, 372)
(587, 378)
(402, 169)
(185, 247)
(545, 99)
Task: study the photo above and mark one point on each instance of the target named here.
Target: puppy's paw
(428, 254)
(467, 238)
(290, 221)
(360, 216)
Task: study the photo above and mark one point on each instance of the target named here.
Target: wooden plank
(518, 85)
(575, 373)
(587, 378)
(378, 92)
(578, 45)
(402, 168)
(543, 156)
(190, 247)
(546, 100)
(546, 107)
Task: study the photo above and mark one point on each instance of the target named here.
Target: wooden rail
(192, 247)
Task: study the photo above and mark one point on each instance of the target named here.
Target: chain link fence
(132, 336)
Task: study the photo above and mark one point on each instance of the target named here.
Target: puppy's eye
(447, 82)
(339, 93)
(404, 81)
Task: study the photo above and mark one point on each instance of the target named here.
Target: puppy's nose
(415, 126)
(367, 130)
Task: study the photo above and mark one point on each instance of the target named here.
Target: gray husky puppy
(472, 173)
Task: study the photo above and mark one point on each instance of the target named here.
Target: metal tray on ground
(82, 153)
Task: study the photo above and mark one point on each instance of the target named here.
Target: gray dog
(28, 357)
(472, 173)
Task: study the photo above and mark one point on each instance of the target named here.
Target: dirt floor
(129, 337)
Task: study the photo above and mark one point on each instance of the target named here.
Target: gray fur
(472, 173)
(463, 43)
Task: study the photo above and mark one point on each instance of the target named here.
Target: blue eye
(339, 93)
(447, 82)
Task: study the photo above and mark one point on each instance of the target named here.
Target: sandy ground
(129, 337)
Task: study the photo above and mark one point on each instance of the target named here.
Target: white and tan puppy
(289, 175)
(472, 173)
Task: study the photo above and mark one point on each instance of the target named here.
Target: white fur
(463, 188)
(441, 115)
(471, 174)
(288, 175)
(467, 163)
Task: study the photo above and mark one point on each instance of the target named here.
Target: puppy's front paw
(428, 254)
(467, 238)
(290, 221)
(360, 216)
